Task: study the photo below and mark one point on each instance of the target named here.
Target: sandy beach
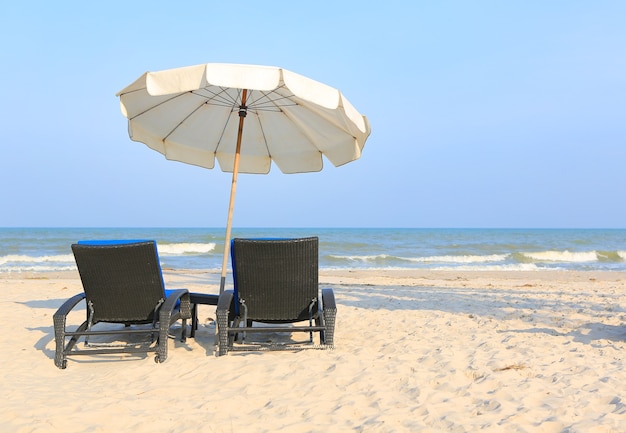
(426, 351)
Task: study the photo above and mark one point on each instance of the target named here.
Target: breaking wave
(186, 248)
(65, 262)
(523, 261)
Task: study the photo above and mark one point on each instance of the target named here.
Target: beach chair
(123, 285)
(276, 286)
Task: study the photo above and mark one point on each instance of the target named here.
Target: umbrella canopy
(196, 115)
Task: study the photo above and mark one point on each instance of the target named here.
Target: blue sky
(484, 113)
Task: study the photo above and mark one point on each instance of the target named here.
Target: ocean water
(48, 249)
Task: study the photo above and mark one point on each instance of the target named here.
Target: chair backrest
(276, 278)
(122, 281)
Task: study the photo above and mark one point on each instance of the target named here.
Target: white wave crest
(563, 256)
(433, 259)
(458, 259)
(30, 268)
(186, 248)
(34, 260)
(372, 258)
(519, 267)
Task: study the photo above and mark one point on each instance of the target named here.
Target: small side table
(195, 299)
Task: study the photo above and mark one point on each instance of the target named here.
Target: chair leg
(164, 328)
(60, 354)
(183, 333)
(319, 321)
(59, 338)
(194, 320)
(222, 329)
(224, 316)
(329, 320)
(330, 314)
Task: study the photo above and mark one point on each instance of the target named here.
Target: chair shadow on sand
(418, 298)
(46, 343)
(543, 306)
(587, 333)
(48, 331)
(205, 334)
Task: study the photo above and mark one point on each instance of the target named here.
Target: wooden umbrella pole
(243, 110)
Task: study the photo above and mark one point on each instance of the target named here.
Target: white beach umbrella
(196, 114)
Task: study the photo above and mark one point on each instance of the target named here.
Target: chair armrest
(328, 299)
(330, 314)
(225, 300)
(68, 305)
(167, 316)
(224, 316)
(59, 319)
(173, 298)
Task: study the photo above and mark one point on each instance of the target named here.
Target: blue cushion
(168, 292)
(112, 241)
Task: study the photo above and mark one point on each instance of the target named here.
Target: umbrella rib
(226, 102)
(221, 98)
(223, 131)
(266, 103)
(258, 119)
(191, 113)
(291, 117)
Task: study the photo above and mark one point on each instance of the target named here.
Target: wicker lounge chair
(276, 284)
(122, 284)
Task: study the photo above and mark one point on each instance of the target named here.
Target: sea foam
(459, 259)
(562, 256)
(186, 248)
(14, 259)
